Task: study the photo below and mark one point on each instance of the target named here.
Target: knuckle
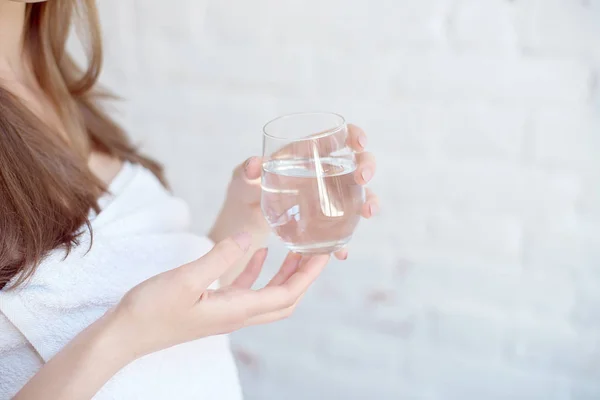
(182, 279)
(290, 311)
(286, 298)
(223, 258)
(289, 301)
(187, 285)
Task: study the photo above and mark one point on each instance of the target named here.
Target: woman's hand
(172, 308)
(177, 306)
(241, 211)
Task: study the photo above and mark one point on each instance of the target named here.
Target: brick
(566, 138)
(371, 350)
(497, 238)
(479, 131)
(565, 352)
(234, 68)
(485, 27)
(590, 196)
(165, 21)
(534, 289)
(585, 392)
(484, 339)
(335, 74)
(564, 28)
(399, 130)
(465, 290)
(229, 23)
(485, 186)
(451, 377)
(584, 314)
(333, 23)
(569, 251)
(467, 77)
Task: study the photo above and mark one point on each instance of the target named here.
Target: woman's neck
(12, 28)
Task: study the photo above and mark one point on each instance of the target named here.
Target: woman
(77, 315)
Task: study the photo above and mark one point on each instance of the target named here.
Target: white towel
(141, 231)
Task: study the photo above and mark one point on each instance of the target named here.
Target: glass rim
(321, 135)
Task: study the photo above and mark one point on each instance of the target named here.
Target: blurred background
(480, 279)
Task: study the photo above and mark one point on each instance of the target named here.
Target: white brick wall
(481, 278)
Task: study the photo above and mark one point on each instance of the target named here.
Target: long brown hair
(46, 187)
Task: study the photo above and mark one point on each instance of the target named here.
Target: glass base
(318, 247)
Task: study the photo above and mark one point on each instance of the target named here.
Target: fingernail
(247, 163)
(362, 140)
(243, 239)
(373, 209)
(367, 174)
(345, 256)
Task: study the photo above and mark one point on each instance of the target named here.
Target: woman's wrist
(110, 340)
(82, 367)
(235, 218)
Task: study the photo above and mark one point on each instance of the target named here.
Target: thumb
(250, 170)
(246, 180)
(201, 273)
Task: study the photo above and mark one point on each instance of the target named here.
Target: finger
(371, 206)
(200, 274)
(366, 166)
(246, 180)
(289, 266)
(275, 298)
(252, 168)
(341, 255)
(247, 278)
(249, 170)
(272, 316)
(357, 138)
(306, 274)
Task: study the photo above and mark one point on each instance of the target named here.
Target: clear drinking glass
(309, 195)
